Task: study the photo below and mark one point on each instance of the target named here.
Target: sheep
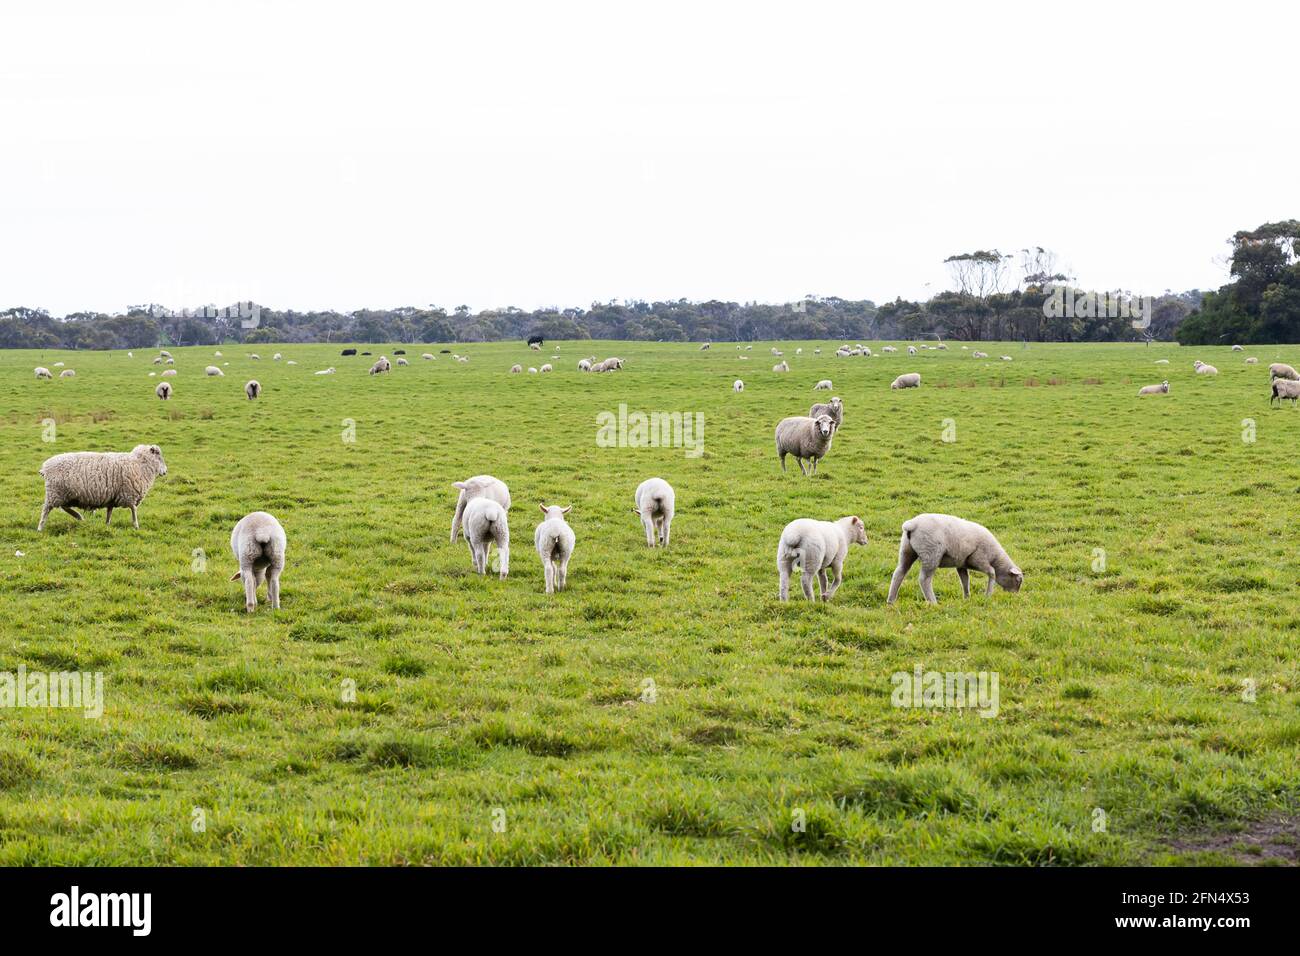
(170, 373)
(92, 479)
(911, 350)
(291, 362)
(254, 356)
(749, 348)
(1238, 348)
(889, 348)
(1280, 370)
(910, 380)
(798, 351)
(325, 371)
(804, 437)
(535, 346)
(1162, 361)
(656, 503)
(158, 360)
(1007, 358)
(164, 353)
(781, 367)
(737, 386)
(554, 541)
(217, 354)
(485, 524)
(258, 542)
(584, 365)
(462, 359)
(978, 354)
(776, 352)
(276, 357)
(1285, 388)
(480, 486)
(381, 365)
(402, 361)
(609, 365)
(842, 353)
(1252, 361)
(941, 347)
(834, 408)
(58, 365)
(531, 370)
(253, 389)
(813, 546)
(1161, 389)
(867, 352)
(515, 369)
(43, 372)
(944, 541)
(67, 373)
(706, 346)
(1204, 369)
(545, 368)
(164, 390)
(817, 351)
(428, 357)
(213, 370)
(823, 386)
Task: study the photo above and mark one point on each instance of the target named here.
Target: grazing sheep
(1280, 370)
(164, 390)
(253, 389)
(92, 479)
(67, 373)
(545, 368)
(480, 486)
(402, 361)
(485, 525)
(834, 408)
(213, 370)
(656, 503)
(609, 365)
(554, 541)
(164, 353)
(798, 351)
(817, 351)
(737, 386)
(58, 365)
(910, 380)
(1285, 388)
(325, 371)
(889, 348)
(823, 386)
(259, 544)
(428, 356)
(1161, 389)
(584, 365)
(813, 546)
(158, 360)
(1238, 348)
(276, 357)
(1204, 369)
(1252, 361)
(254, 356)
(170, 373)
(911, 350)
(515, 369)
(776, 352)
(842, 353)
(1006, 358)
(804, 437)
(43, 372)
(978, 354)
(706, 346)
(531, 370)
(781, 367)
(944, 541)
(381, 365)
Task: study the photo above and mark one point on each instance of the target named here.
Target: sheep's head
(857, 530)
(554, 511)
(1165, 385)
(153, 455)
(825, 425)
(836, 401)
(1011, 578)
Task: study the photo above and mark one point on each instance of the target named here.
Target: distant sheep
(486, 524)
(656, 503)
(813, 547)
(164, 353)
(254, 356)
(1238, 348)
(910, 380)
(706, 346)
(43, 372)
(889, 348)
(911, 350)
(348, 352)
(554, 540)
(584, 365)
(325, 371)
(1285, 388)
(480, 486)
(1252, 361)
(1203, 369)
(213, 370)
(164, 390)
(945, 541)
(781, 367)
(462, 359)
(253, 389)
(804, 437)
(609, 365)
(427, 356)
(545, 368)
(1162, 361)
(259, 543)
(169, 373)
(823, 386)
(276, 357)
(91, 480)
(1006, 358)
(67, 373)
(402, 361)
(737, 386)
(1161, 389)
(978, 354)
(514, 369)
(381, 366)
(1280, 370)
(834, 408)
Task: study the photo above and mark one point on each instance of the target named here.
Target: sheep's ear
(857, 520)
(235, 576)
(1017, 572)
(565, 511)
(636, 511)
(459, 484)
(543, 508)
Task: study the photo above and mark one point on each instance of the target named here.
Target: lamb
(978, 354)
(381, 365)
(258, 542)
(91, 479)
(804, 437)
(706, 346)
(276, 357)
(43, 372)
(737, 386)
(798, 351)
(486, 524)
(427, 356)
(170, 373)
(813, 546)
(67, 373)
(531, 370)
(1204, 369)
(1252, 361)
(911, 350)
(781, 367)
(823, 386)
(217, 354)
(609, 365)
(545, 368)
(554, 541)
(402, 361)
(656, 503)
(164, 390)
(480, 486)
(834, 408)
(253, 389)
(213, 370)
(325, 371)
(910, 380)
(158, 360)
(462, 359)
(1279, 370)
(1161, 389)
(1285, 388)
(1006, 358)
(944, 541)
(514, 369)
(1238, 348)
(535, 346)
(776, 351)
(584, 365)
(58, 365)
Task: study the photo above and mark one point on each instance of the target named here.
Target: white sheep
(911, 350)
(910, 380)
(1285, 388)
(514, 369)
(776, 352)
(254, 356)
(43, 372)
(889, 348)
(1281, 370)
(427, 356)
(531, 370)
(1238, 348)
(813, 546)
(480, 486)
(253, 389)
(1161, 389)
(213, 370)
(1252, 361)
(258, 542)
(584, 365)
(164, 390)
(545, 368)
(325, 371)
(1006, 358)
(217, 354)
(781, 366)
(92, 479)
(737, 386)
(823, 386)
(1162, 361)
(1204, 369)
(706, 346)
(58, 365)
(67, 373)
(656, 503)
(817, 351)
(169, 373)
(834, 408)
(402, 361)
(804, 437)
(158, 360)
(163, 353)
(462, 359)
(291, 362)
(381, 366)
(978, 354)
(944, 541)
(554, 541)
(485, 525)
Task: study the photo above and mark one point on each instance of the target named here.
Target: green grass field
(666, 708)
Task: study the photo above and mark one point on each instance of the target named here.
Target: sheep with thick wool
(253, 389)
(92, 479)
(259, 543)
(1284, 388)
(164, 390)
(910, 380)
(1282, 370)
(805, 438)
(945, 541)
(813, 547)
(834, 408)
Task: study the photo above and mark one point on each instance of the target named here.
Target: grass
(667, 708)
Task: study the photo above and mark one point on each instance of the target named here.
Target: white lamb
(1161, 389)
(737, 386)
(910, 380)
(325, 371)
(823, 386)
(43, 372)
(804, 437)
(584, 365)
(169, 373)
(781, 367)
(480, 486)
(213, 370)
(944, 541)
(554, 541)
(656, 503)
(485, 525)
(258, 542)
(92, 479)
(813, 546)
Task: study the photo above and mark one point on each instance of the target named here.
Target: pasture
(666, 708)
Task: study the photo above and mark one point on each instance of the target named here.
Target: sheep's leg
(988, 589)
(72, 511)
(273, 587)
(807, 581)
(250, 589)
(562, 573)
(783, 461)
(135, 518)
(548, 572)
(108, 518)
(965, 581)
(45, 513)
(801, 467)
(905, 561)
(783, 569)
(814, 466)
(649, 532)
(838, 568)
(503, 556)
(927, 584)
(821, 583)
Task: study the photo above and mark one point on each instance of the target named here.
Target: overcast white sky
(315, 155)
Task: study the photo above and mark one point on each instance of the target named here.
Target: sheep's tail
(262, 535)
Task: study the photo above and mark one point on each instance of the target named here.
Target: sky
(373, 155)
